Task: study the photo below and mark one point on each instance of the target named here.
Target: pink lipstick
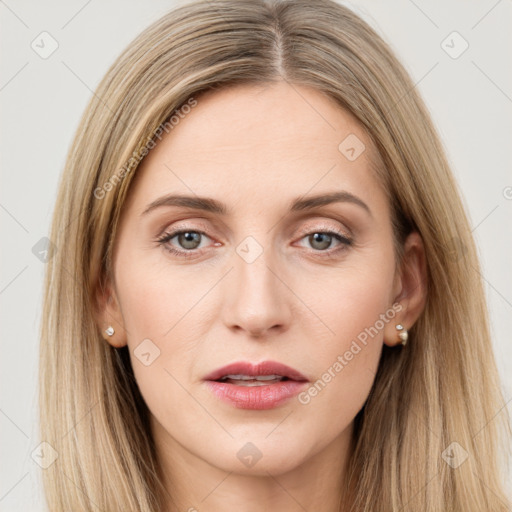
(255, 386)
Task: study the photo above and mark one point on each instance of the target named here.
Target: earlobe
(109, 317)
(396, 334)
(411, 292)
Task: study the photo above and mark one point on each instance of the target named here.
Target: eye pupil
(323, 238)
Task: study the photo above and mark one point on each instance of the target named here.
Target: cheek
(163, 318)
(355, 307)
(155, 297)
(159, 314)
(349, 300)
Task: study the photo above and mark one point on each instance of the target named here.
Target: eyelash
(329, 253)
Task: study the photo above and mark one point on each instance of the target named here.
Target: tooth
(253, 383)
(256, 377)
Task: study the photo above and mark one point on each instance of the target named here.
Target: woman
(266, 290)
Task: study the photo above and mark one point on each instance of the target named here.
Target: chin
(258, 455)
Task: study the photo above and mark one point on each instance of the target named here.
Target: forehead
(267, 119)
(260, 143)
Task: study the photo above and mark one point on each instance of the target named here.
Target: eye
(322, 241)
(188, 239)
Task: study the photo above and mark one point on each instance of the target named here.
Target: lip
(254, 370)
(266, 396)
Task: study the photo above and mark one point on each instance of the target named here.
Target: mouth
(266, 372)
(256, 386)
(249, 381)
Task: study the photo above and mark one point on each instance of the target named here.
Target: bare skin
(302, 301)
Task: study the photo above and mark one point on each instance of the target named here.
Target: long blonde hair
(442, 389)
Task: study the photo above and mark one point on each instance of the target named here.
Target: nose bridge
(257, 300)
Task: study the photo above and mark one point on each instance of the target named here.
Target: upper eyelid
(345, 231)
(303, 231)
(177, 226)
(168, 234)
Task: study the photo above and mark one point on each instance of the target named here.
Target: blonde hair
(443, 388)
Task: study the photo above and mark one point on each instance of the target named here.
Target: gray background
(42, 99)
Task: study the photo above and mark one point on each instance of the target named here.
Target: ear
(410, 288)
(108, 314)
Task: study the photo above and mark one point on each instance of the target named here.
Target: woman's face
(261, 273)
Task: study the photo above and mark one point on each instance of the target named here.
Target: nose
(256, 298)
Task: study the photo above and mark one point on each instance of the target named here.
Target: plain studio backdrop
(55, 53)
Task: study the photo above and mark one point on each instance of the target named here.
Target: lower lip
(256, 397)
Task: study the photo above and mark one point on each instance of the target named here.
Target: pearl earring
(402, 334)
(109, 330)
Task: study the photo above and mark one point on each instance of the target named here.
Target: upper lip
(253, 370)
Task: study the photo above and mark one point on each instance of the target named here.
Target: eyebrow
(213, 206)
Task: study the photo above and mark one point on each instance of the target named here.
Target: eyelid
(343, 231)
(166, 236)
(177, 227)
(185, 225)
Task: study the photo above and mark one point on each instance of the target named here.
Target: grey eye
(189, 239)
(320, 241)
